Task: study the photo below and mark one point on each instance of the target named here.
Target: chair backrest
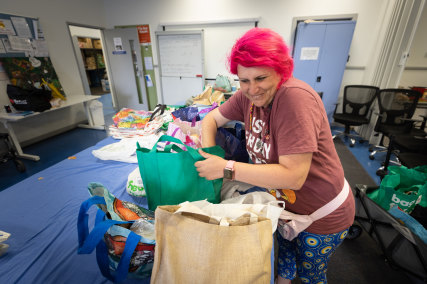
(358, 99)
(397, 104)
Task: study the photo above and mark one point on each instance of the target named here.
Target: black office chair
(357, 101)
(396, 108)
(410, 151)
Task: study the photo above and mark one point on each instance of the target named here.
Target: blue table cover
(41, 213)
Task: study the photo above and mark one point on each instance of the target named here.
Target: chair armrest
(421, 138)
(410, 119)
(336, 106)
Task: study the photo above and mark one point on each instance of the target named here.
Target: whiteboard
(176, 91)
(181, 65)
(180, 53)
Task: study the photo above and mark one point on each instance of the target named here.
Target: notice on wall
(40, 48)
(309, 53)
(148, 62)
(20, 43)
(6, 27)
(148, 80)
(144, 34)
(118, 46)
(21, 27)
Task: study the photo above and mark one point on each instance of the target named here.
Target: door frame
(80, 63)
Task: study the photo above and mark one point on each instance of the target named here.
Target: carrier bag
(417, 176)
(134, 185)
(186, 114)
(170, 177)
(233, 141)
(209, 97)
(189, 133)
(120, 252)
(201, 242)
(400, 190)
(29, 100)
(223, 83)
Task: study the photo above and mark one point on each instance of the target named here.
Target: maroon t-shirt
(296, 123)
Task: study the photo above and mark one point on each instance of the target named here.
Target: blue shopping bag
(120, 253)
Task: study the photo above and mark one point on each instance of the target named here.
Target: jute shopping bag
(189, 249)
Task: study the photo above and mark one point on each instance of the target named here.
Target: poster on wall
(24, 55)
(148, 67)
(29, 73)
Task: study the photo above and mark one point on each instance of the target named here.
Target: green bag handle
(166, 138)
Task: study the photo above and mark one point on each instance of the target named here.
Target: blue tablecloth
(41, 212)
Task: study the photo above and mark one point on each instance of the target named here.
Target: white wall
(53, 16)
(274, 14)
(415, 73)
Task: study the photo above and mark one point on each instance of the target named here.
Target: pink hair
(261, 47)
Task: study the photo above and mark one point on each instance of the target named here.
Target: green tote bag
(171, 178)
(398, 188)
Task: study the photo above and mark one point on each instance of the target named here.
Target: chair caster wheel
(371, 157)
(20, 166)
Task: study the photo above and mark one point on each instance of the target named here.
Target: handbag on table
(169, 174)
(29, 100)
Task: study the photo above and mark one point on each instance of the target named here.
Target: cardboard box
(85, 42)
(97, 43)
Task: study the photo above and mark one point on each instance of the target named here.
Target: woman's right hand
(212, 167)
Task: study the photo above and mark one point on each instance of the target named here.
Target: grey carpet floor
(360, 260)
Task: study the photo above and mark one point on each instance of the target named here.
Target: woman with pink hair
(292, 154)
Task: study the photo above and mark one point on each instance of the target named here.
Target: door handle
(319, 78)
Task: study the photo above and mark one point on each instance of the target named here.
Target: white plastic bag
(125, 149)
(134, 186)
(252, 205)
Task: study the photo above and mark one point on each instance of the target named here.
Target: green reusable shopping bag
(413, 176)
(398, 188)
(171, 178)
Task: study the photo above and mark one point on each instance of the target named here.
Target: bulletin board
(181, 64)
(24, 55)
(21, 37)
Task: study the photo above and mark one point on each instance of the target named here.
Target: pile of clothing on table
(146, 127)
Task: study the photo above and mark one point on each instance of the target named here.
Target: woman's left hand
(212, 167)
